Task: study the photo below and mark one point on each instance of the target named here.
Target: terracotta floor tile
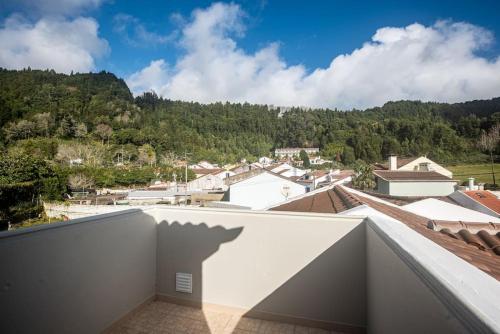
(166, 318)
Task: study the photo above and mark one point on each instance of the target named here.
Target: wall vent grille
(184, 282)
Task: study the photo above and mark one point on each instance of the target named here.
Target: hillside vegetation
(95, 117)
(74, 132)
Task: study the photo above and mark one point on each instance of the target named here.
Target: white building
(287, 170)
(265, 161)
(262, 189)
(409, 184)
(207, 182)
(203, 165)
(420, 164)
(318, 161)
(290, 152)
(439, 210)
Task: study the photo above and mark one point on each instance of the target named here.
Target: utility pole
(186, 177)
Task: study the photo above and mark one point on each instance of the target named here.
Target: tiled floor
(160, 317)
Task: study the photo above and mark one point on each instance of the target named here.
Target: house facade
(420, 164)
(262, 190)
(290, 152)
(407, 183)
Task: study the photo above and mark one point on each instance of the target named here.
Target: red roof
(486, 198)
(476, 243)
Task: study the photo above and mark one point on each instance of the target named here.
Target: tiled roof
(206, 171)
(476, 243)
(485, 198)
(474, 253)
(391, 175)
(485, 236)
(333, 200)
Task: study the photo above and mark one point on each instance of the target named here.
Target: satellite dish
(285, 190)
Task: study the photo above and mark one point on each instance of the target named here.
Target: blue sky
(275, 52)
(310, 32)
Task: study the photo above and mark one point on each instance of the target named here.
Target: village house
(321, 178)
(258, 189)
(417, 164)
(413, 183)
(291, 152)
(287, 170)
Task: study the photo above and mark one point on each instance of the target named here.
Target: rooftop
(400, 163)
(477, 252)
(486, 198)
(390, 175)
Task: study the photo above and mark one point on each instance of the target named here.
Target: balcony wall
(76, 277)
(343, 272)
(269, 264)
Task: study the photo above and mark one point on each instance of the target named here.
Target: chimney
(471, 183)
(393, 162)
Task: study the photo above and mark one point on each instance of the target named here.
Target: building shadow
(328, 293)
(182, 248)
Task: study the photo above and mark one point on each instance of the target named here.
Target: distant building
(199, 172)
(409, 183)
(265, 161)
(203, 165)
(321, 178)
(290, 152)
(287, 170)
(261, 189)
(207, 182)
(416, 164)
(318, 161)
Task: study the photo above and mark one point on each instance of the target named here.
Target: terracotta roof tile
(329, 201)
(476, 243)
(486, 198)
(466, 245)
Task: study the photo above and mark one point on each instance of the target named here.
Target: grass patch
(481, 172)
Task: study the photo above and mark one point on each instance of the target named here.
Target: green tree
(488, 142)
(363, 176)
(305, 159)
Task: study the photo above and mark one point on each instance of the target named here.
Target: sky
(334, 54)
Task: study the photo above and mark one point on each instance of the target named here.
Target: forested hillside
(95, 117)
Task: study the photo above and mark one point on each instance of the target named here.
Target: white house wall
(421, 188)
(432, 166)
(263, 190)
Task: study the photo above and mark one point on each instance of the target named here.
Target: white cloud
(51, 43)
(136, 34)
(152, 77)
(435, 63)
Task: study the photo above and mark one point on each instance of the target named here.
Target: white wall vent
(184, 282)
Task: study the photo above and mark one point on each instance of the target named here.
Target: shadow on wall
(186, 247)
(330, 292)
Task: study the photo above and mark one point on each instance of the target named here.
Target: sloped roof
(333, 200)
(436, 209)
(393, 175)
(476, 243)
(400, 163)
(485, 198)
(206, 171)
